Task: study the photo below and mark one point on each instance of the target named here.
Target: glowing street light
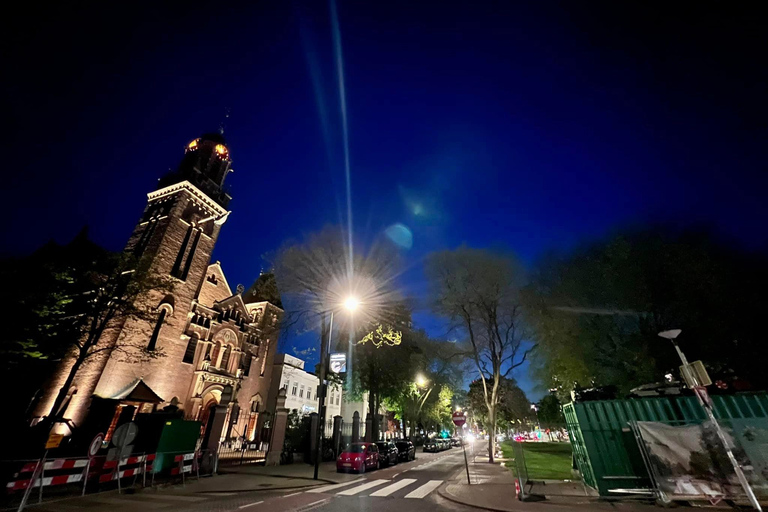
(421, 381)
(350, 304)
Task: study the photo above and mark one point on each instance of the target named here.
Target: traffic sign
(459, 419)
(95, 445)
(125, 434)
(54, 440)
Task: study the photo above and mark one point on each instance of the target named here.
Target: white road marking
(386, 491)
(361, 488)
(315, 503)
(335, 486)
(424, 489)
(292, 494)
(251, 504)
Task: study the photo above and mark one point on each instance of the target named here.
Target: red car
(358, 457)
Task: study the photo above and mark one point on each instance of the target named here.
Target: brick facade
(207, 337)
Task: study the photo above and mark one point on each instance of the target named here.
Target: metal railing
(240, 453)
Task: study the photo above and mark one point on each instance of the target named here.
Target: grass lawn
(545, 461)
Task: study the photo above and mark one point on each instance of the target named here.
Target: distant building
(301, 389)
(210, 336)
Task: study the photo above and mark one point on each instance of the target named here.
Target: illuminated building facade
(209, 337)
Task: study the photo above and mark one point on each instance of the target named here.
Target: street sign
(95, 445)
(338, 363)
(54, 440)
(459, 419)
(125, 434)
(695, 374)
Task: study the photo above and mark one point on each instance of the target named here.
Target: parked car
(387, 453)
(432, 445)
(358, 457)
(455, 441)
(406, 450)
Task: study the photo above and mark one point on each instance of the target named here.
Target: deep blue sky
(525, 126)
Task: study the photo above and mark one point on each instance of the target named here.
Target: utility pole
(706, 403)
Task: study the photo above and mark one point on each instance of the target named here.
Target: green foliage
(513, 404)
(550, 412)
(264, 289)
(596, 312)
(380, 337)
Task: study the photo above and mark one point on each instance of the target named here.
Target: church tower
(183, 216)
(176, 234)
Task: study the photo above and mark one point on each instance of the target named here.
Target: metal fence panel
(605, 448)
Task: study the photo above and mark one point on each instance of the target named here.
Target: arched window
(245, 363)
(225, 358)
(156, 332)
(253, 418)
(215, 354)
(189, 354)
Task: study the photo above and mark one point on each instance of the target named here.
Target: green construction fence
(604, 446)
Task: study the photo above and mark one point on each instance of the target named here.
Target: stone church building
(210, 336)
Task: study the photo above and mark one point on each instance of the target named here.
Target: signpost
(338, 363)
(95, 445)
(459, 419)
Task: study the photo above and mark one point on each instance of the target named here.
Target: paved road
(405, 487)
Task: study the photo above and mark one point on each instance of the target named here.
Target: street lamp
(350, 304)
(701, 393)
(421, 381)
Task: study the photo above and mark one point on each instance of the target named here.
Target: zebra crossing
(381, 488)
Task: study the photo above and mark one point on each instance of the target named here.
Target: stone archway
(211, 398)
(256, 407)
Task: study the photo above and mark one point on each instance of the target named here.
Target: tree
(551, 412)
(106, 294)
(479, 293)
(597, 310)
(64, 298)
(264, 289)
(378, 371)
(513, 404)
(319, 273)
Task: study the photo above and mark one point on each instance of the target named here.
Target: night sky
(528, 127)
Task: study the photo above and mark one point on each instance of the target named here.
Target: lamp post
(350, 304)
(706, 403)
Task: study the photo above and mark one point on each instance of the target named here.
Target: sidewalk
(493, 488)
(232, 480)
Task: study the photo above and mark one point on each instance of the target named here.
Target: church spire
(206, 164)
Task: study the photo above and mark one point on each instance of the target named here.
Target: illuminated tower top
(206, 164)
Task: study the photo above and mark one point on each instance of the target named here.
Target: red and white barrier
(112, 468)
(185, 463)
(23, 479)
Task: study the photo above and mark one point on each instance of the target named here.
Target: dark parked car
(456, 441)
(387, 452)
(406, 450)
